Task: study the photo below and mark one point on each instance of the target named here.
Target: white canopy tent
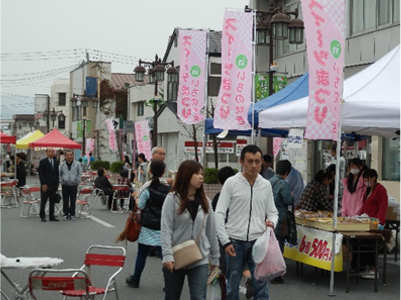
(371, 102)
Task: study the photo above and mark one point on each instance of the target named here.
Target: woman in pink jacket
(354, 189)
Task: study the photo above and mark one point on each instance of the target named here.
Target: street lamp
(83, 101)
(277, 24)
(52, 115)
(156, 70)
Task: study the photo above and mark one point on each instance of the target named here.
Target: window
(172, 89)
(384, 12)
(396, 11)
(214, 86)
(140, 108)
(364, 14)
(61, 99)
(215, 69)
(61, 124)
(391, 159)
(24, 124)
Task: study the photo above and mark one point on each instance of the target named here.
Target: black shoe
(249, 288)
(43, 219)
(131, 282)
(277, 280)
(54, 220)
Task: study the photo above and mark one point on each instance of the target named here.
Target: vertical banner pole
(204, 160)
(253, 78)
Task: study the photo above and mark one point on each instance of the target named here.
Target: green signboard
(262, 85)
(80, 127)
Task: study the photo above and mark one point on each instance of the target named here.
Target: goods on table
(324, 220)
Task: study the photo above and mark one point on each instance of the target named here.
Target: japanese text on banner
(314, 248)
(235, 93)
(325, 37)
(191, 92)
(142, 138)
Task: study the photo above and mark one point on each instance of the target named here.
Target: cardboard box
(392, 214)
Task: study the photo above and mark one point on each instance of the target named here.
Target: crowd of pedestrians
(225, 229)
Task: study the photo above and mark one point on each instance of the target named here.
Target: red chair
(31, 204)
(83, 206)
(101, 256)
(8, 192)
(39, 281)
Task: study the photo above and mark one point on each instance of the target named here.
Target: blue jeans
(235, 266)
(197, 278)
(143, 251)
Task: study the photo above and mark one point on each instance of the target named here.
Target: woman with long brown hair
(187, 214)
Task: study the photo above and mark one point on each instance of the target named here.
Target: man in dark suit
(49, 181)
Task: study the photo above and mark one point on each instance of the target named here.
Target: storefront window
(391, 159)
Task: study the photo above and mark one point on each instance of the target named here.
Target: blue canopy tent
(264, 132)
(296, 90)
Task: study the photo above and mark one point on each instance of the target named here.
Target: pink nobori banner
(235, 93)
(325, 37)
(142, 138)
(112, 134)
(191, 92)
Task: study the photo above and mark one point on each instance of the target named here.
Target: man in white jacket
(247, 199)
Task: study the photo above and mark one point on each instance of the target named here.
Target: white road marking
(102, 222)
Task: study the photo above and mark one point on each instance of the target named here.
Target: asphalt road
(70, 239)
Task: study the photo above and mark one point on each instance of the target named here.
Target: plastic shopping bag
(213, 292)
(260, 247)
(216, 289)
(273, 264)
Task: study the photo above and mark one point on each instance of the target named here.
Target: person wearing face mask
(375, 199)
(375, 202)
(354, 188)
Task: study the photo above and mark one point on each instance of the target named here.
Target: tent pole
(335, 206)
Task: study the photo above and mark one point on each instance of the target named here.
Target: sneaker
(131, 282)
(369, 273)
(249, 288)
(65, 218)
(72, 218)
(277, 280)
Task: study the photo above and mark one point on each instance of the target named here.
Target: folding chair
(63, 284)
(30, 204)
(117, 188)
(9, 192)
(98, 196)
(83, 206)
(102, 256)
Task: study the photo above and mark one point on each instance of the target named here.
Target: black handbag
(292, 237)
(57, 199)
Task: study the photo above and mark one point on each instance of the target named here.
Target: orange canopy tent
(7, 139)
(55, 139)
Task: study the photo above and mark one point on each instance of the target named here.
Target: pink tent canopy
(7, 139)
(55, 139)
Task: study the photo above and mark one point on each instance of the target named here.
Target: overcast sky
(38, 38)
